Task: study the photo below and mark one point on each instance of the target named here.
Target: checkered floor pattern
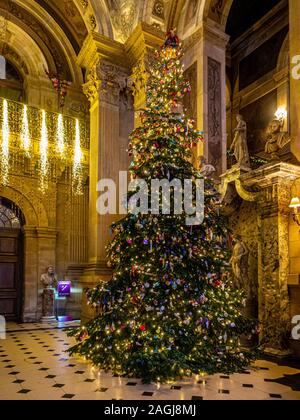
(35, 366)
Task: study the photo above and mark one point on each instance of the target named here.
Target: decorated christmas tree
(170, 309)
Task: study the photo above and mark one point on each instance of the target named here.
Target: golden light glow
(295, 203)
(44, 154)
(77, 169)
(281, 113)
(60, 140)
(25, 136)
(5, 145)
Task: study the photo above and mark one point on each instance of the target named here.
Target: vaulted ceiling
(68, 17)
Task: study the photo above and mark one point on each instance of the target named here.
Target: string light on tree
(170, 309)
(5, 146)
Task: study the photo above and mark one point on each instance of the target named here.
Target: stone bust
(276, 139)
(49, 279)
(206, 169)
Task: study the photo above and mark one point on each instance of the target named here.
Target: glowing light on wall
(44, 154)
(281, 113)
(25, 136)
(77, 169)
(5, 145)
(60, 137)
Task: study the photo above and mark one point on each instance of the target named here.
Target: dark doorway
(11, 260)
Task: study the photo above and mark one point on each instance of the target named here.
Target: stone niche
(243, 222)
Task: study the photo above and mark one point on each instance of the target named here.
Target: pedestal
(48, 306)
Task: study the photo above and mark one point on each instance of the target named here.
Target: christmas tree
(170, 309)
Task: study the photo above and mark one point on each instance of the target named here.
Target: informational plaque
(64, 289)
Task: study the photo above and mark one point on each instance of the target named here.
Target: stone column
(31, 270)
(139, 48)
(294, 37)
(208, 48)
(275, 182)
(107, 76)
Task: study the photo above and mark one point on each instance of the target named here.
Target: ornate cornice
(144, 38)
(97, 47)
(207, 32)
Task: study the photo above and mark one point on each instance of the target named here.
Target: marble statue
(276, 138)
(206, 169)
(239, 145)
(239, 263)
(49, 281)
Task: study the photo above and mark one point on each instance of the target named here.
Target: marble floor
(35, 366)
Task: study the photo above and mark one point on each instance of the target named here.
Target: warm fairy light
(60, 137)
(77, 170)
(25, 136)
(44, 154)
(5, 145)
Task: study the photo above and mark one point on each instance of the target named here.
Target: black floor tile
(247, 386)
(176, 387)
(102, 390)
(197, 398)
(291, 381)
(24, 391)
(58, 386)
(278, 396)
(68, 396)
(224, 391)
(147, 394)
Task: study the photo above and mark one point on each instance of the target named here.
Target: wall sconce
(295, 204)
(281, 114)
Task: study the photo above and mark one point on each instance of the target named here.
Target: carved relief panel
(214, 114)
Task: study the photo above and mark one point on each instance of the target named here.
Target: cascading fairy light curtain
(53, 147)
(25, 136)
(4, 164)
(77, 172)
(60, 137)
(44, 154)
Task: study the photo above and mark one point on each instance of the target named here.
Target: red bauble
(142, 328)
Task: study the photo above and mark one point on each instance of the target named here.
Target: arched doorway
(11, 260)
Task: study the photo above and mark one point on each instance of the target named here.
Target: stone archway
(39, 243)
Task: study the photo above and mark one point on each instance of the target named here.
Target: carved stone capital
(139, 80)
(104, 82)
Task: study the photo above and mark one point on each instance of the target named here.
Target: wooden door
(10, 274)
